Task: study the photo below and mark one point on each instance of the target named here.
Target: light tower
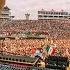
(27, 16)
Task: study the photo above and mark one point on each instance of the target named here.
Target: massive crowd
(22, 47)
(55, 28)
(29, 46)
(58, 30)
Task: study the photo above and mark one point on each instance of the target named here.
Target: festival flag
(38, 53)
(33, 51)
(51, 50)
(47, 48)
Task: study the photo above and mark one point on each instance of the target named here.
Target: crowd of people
(25, 47)
(28, 47)
(55, 28)
(58, 30)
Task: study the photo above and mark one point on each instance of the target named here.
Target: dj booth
(56, 63)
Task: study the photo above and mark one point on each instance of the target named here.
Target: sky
(20, 7)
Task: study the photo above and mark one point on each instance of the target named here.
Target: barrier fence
(8, 67)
